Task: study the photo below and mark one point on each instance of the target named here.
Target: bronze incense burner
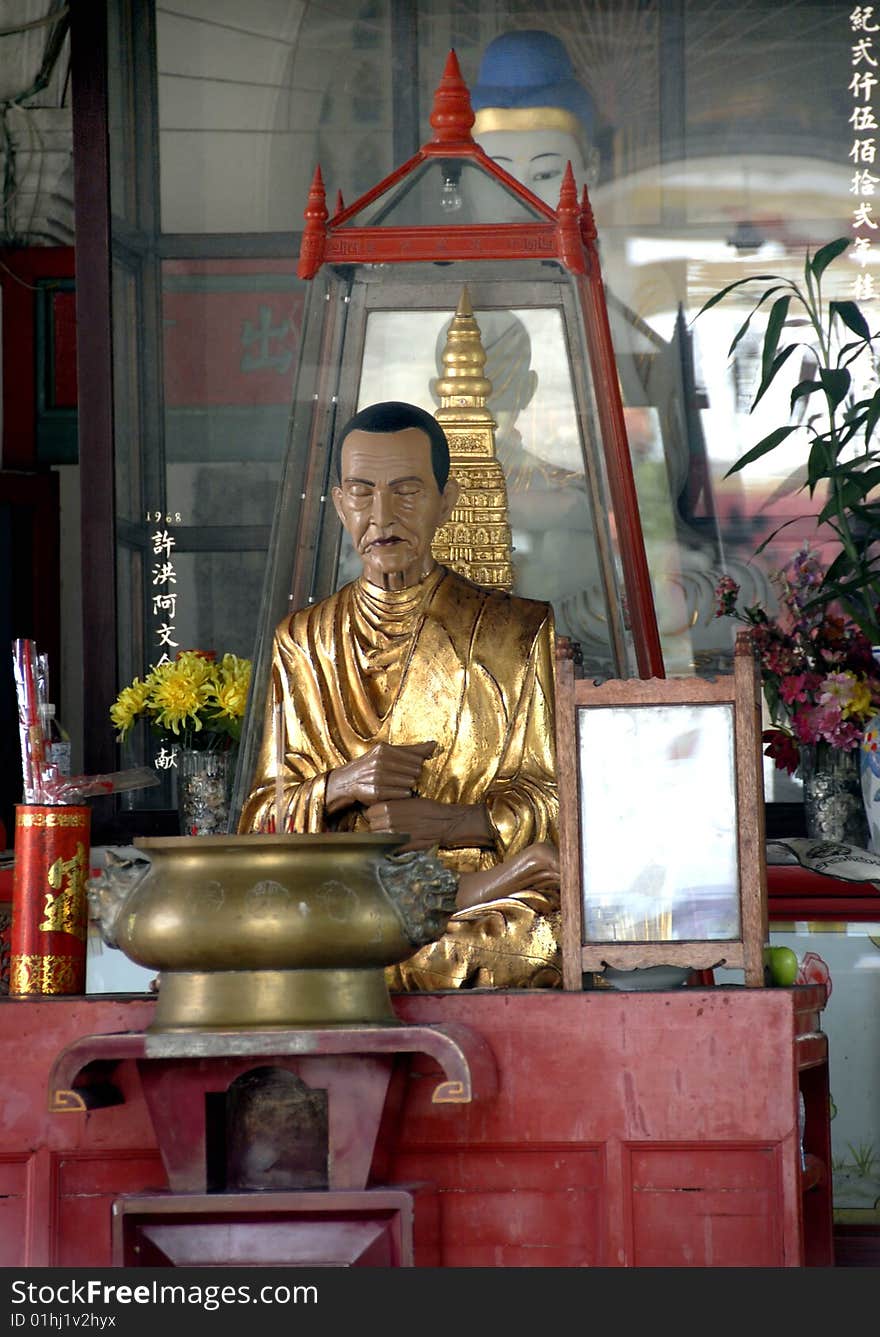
(260, 931)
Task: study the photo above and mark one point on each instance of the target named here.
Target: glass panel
(845, 957)
(218, 596)
(231, 331)
(538, 445)
(447, 193)
(251, 99)
(121, 116)
(718, 144)
(659, 857)
(231, 337)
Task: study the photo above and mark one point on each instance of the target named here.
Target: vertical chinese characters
(864, 145)
(164, 608)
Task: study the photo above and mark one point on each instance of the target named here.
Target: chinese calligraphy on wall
(864, 59)
(164, 602)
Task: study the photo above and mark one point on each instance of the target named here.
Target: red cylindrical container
(49, 907)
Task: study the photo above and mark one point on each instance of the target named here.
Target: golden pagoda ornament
(475, 541)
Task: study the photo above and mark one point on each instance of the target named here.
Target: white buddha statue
(532, 114)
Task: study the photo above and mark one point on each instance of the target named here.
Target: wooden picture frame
(661, 822)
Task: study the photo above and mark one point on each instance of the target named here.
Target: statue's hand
(427, 823)
(385, 771)
(536, 868)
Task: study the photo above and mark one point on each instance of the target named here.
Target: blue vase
(870, 769)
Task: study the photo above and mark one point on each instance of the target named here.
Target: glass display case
(387, 274)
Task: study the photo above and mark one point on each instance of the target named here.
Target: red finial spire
(568, 198)
(312, 250)
(588, 222)
(452, 115)
(340, 204)
(571, 248)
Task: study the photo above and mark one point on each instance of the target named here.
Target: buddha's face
(390, 504)
(537, 158)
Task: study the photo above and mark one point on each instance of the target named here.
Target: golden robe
(444, 660)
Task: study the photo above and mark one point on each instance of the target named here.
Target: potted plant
(821, 684)
(841, 427)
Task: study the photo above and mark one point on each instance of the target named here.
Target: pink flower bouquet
(820, 678)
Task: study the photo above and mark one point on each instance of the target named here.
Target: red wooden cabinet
(633, 1130)
(628, 1129)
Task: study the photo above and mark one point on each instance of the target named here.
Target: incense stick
(24, 654)
(279, 761)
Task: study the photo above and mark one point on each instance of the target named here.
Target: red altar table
(626, 1129)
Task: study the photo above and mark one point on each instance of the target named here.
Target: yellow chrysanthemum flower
(193, 666)
(192, 694)
(131, 702)
(230, 689)
(179, 693)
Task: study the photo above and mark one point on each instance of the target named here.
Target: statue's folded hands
(426, 822)
(384, 772)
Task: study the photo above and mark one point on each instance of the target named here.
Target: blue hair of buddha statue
(526, 81)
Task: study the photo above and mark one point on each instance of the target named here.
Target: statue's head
(394, 490)
(532, 114)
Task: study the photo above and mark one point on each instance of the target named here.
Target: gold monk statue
(417, 702)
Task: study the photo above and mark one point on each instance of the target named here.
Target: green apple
(783, 964)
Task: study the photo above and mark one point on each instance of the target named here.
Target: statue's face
(390, 504)
(537, 158)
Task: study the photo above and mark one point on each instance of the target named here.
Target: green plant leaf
(770, 373)
(837, 568)
(803, 390)
(850, 428)
(823, 257)
(753, 278)
(743, 329)
(793, 520)
(817, 463)
(855, 350)
(835, 383)
(871, 419)
(851, 316)
(847, 497)
(775, 324)
(864, 481)
(764, 446)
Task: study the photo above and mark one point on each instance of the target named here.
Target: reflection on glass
(250, 98)
(658, 823)
(538, 442)
(538, 446)
(449, 192)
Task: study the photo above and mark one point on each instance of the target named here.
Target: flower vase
(203, 788)
(870, 765)
(833, 806)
